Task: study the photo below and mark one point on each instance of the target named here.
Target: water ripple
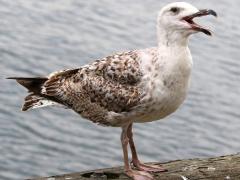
(38, 37)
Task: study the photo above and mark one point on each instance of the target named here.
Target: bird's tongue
(197, 27)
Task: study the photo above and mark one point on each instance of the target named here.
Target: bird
(136, 86)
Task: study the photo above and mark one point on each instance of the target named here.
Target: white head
(175, 21)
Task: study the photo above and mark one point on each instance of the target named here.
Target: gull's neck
(173, 52)
(170, 38)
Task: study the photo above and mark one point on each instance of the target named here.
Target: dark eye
(175, 10)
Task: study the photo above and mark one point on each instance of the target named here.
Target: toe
(150, 168)
(139, 175)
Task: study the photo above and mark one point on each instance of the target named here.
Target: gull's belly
(166, 98)
(163, 106)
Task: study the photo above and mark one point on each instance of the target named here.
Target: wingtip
(10, 78)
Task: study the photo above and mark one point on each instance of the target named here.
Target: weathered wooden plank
(218, 168)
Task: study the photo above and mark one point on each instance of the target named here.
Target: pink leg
(135, 160)
(136, 175)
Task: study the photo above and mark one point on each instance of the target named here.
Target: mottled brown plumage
(109, 84)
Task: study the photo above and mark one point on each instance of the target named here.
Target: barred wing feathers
(110, 84)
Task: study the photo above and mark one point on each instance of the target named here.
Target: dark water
(38, 37)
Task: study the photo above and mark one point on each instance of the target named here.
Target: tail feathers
(33, 101)
(32, 84)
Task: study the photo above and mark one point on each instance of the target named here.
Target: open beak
(195, 26)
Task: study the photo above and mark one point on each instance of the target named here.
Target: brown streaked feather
(65, 73)
(110, 84)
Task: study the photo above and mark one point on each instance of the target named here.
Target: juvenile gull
(129, 87)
